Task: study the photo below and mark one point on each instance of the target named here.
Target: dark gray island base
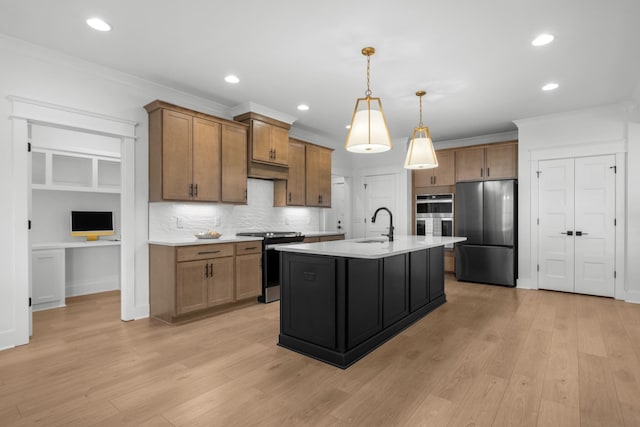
(337, 309)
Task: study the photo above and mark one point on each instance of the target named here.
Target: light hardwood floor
(489, 356)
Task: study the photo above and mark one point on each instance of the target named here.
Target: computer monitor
(91, 224)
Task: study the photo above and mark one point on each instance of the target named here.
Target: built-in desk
(48, 271)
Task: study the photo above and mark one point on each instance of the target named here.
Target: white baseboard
(104, 284)
(633, 297)
(526, 284)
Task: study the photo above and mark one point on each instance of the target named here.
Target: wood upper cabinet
(493, 161)
(270, 143)
(206, 160)
(292, 191)
(318, 176)
(234, 164)
(189, 156)
(444, 174)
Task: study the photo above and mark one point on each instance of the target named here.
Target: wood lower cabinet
(194, 156)
(248, 270)
(198, 280)
(444, 174)
(492, 161)
(318, 176)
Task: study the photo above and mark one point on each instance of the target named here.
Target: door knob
(568, 233)
(580, 233)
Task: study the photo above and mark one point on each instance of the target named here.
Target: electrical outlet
(179, 222)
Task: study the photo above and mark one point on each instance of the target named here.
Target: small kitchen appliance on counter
(271, 259)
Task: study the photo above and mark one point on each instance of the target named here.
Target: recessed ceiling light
(232, 79)
(542, 40)
(303, 107)
(98, 24)
(348, 126)
(550, 86)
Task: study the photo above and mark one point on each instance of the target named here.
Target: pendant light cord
(420, 124)
(368, 91)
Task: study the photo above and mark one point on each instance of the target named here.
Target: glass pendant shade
(369, 132)
(421, 154)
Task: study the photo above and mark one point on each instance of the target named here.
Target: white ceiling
(474, 58)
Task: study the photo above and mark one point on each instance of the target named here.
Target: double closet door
(576, 230)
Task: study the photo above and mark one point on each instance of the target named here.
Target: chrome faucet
(373, 219)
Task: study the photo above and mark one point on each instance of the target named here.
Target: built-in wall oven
(434, 215)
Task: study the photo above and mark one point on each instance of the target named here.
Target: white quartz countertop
(79, 244)
(377, 248)
(188, 241)
(321, 233)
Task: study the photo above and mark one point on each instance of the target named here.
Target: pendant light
(421, 154)
(369, 132)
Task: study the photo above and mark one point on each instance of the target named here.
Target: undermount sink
(372, 241)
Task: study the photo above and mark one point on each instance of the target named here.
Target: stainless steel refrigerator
(486, 214)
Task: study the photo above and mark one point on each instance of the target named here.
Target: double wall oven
(271, 259)
(434, 215)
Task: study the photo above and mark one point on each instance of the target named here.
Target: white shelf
(71, 245)
(73, 171)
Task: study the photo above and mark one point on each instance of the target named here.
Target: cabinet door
(297, 181)
(445, 173)
(206, 160)
(423, 177)
(324, 177)
(261, 150)
(176, 155)
(470, 164)
(501, 161)
(318, 176)
(248, 276)
(220, 284)
(48, 278)
(436, 272)
(280, 146)
(418, 279)
(191, 286)
(394, 290)
(234, 164)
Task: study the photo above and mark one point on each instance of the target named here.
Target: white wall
(633, 207)
(569, 134)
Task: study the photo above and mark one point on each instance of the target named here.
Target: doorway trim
(617, 148)
(26, 112)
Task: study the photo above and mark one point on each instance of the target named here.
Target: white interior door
(379, 192)
(595, 225)
(556, 216)
(576, 231)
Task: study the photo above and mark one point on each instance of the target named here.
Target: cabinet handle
(275, 155)
(289, 195)
(208, 252)
(251, 248)
(488, 172)
(435, 178)
(206, 270)
(210, 270)
(481, 172)
(190, 190)
(195, 193)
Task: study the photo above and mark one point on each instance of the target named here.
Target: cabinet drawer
(189, 253)
(249, 247)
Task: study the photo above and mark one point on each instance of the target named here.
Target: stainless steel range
(271, 259)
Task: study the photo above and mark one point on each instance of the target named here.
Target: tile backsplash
(176, 220)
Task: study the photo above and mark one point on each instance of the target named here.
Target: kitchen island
(342, 299)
